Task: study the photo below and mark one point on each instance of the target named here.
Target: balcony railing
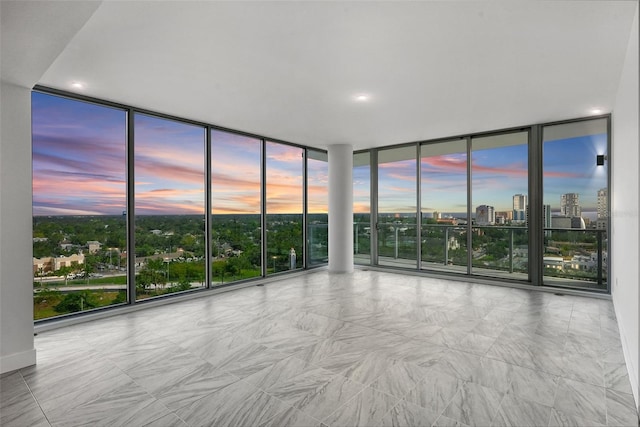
(318, 243)
(571, 257)
(575, 257)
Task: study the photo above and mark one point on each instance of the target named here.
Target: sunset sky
(235, 168)
(497, 174)
(361, 189)
(79, 168)
(79, 157)
(169, 166)
(317, 185)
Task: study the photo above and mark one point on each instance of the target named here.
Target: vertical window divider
(373, 171)
(609, 169)
(305, 209)
(130, 208)
(535, 223)
(469, 208)
(263, 206)
(208, 208)
(418, 208)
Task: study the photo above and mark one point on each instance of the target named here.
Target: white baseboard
(16, 361)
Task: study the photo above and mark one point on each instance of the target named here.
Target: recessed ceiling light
(77, 85)
(596, 111)
(362, 97)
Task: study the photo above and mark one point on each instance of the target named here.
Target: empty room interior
(309, 213)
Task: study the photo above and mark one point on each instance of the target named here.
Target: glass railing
(575, 258)
(444, 247)
(572, 257)
(362, 242)
(397, 244)
(318, 246)
(499, 250)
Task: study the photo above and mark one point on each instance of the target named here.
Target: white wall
(625, 204)
(16, 280)
(33, 35)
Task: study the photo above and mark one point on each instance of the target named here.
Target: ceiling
(291, 70)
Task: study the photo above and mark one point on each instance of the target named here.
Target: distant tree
(240, 263)
(231, 267)
(90, 262)
(65, 272)
(218, 270)
(152, 274)
(46, 295)
(75, 301)
(183, 284)
(120, 298)
(253, 255)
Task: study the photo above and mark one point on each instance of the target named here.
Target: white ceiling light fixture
(362, 97)
(596, 111)
(77, 85)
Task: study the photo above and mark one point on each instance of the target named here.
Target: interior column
(340, 208)
(16, 274)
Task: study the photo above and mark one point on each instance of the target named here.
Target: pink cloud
(285, 154)
(361, 207)
(390, 189)
(162, 171)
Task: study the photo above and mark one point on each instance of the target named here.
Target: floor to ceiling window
(169, 164)
(79, 197)
(476, 212)
(443, 187)
(397, 203)
(576, 204)
(120, 201)
(499, 207)
(362, 208)
(284, 207)
(317, 207)
(236, 205)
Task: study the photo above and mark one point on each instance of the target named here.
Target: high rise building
(603, 205)
(485, 215)
(602, 209)
(546, 219)
(519, 208)
(546, 216)
(507, 215)
(519, 201)
(570, 205)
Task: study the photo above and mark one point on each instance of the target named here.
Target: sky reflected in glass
(284, 178)
(570, 167)
(79, 157)
(169, 167)
(317, 185)
(235, 175)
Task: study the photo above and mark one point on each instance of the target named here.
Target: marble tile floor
(362, 349)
